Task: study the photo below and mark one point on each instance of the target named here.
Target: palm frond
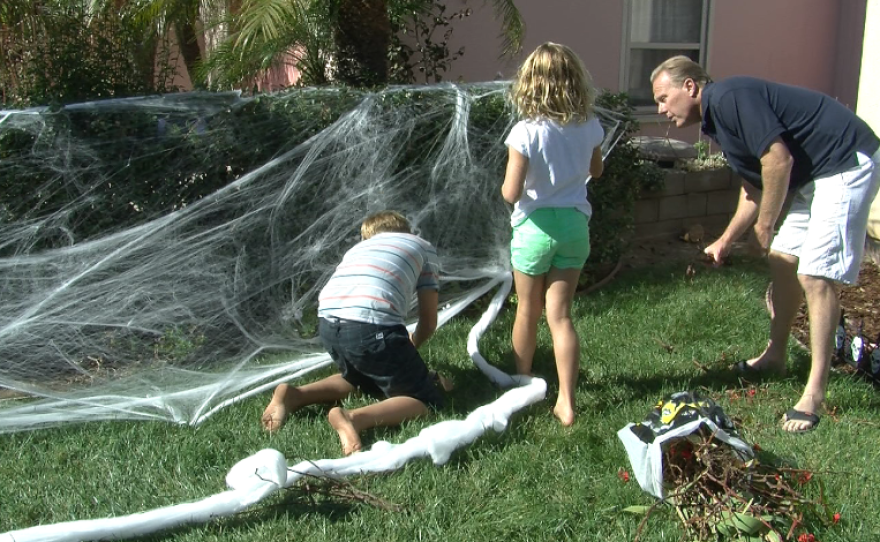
(264, 19)
(513, 28)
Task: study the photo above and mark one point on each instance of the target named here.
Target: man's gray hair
(680, 68)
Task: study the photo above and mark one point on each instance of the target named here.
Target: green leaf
(637, 509)
(738, 523)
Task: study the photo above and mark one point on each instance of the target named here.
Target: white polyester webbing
(258, 476)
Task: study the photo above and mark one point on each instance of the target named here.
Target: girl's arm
(515, 177)
(596, 164)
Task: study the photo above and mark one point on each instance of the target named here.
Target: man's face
(679, 102)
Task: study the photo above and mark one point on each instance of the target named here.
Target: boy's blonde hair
(384, 221)
(680, 68)
(553, 84)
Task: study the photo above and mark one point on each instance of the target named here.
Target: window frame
(629, 46)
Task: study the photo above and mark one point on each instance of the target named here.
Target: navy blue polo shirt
(744, 115)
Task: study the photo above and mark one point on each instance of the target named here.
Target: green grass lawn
(640, 335)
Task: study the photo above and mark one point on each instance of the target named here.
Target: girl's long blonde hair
(553, 84)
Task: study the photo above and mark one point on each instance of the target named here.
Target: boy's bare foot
(565, 413)
(348, 435)
(446, 384)
(274, 416)
(283, 403)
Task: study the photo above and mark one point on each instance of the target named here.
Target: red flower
(805, 477)
(836, 518)
(752, 392)
(756, 447)
(807, 537)
(623, 475)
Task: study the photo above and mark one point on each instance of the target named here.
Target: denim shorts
(550, 237)
(378, 359)
(825, 227)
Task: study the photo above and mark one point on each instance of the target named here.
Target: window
(656, 30)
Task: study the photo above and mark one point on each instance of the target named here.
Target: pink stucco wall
(802, 42)
(789, 41)
(591, 29)
(276, 78)
(811, 43)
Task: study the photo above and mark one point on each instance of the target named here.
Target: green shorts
(551, 237)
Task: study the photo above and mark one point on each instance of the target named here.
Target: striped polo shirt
(377, 278)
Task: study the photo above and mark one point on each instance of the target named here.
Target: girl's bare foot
(348, 435)
(564, 412)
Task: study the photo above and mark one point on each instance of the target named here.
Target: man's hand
(717, 251)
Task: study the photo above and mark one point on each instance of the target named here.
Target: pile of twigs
(311, 489)
(716, 494)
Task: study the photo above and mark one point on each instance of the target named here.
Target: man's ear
(692, 87)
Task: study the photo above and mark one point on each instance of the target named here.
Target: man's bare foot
(762, 364)
(565, 413)
(348, 435)
(808, 405)
(284, 402)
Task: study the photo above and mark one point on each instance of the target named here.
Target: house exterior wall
(591, 29)
(811, 43)
(869, 105)
(180, 79)
(276, 78)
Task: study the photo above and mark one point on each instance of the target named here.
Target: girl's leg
(561, 286)
(530, 306)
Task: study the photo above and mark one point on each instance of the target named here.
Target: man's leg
(823, 306)
(529, 307)
(561, 285)
(393, 411)
(786, 298)
(288, 399)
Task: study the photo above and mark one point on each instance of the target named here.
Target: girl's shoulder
(590, 125)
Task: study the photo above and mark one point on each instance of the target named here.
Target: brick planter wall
(706, 197)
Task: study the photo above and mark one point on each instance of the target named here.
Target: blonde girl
(552, 153)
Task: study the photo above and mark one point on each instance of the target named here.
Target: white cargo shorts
(826, 225)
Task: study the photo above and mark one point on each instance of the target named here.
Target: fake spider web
(172, 312)
(115, 307)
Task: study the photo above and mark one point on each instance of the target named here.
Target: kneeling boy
(362, 311)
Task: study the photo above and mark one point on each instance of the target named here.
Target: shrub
(203, 149)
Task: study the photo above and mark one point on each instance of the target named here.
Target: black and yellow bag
(681, 408)
(675, 417)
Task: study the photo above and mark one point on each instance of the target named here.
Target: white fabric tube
(258, 476)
